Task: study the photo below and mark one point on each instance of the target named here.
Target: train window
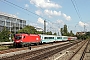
(59, 37)
(65, 37)
(48, 37)
(51, 37)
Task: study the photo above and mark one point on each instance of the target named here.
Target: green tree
(4, 35)
(87, 35)
(28, 29)
(49, 33)
(64, 31)
(39, 32)
(55, 33)
(71, 33)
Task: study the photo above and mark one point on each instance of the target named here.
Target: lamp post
(44, 26)
(10, 31)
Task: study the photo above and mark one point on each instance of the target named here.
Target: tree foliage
(71, 33)
(31, 30)
(28, 29)
(87, 35)
(49, 33)
(64, 31)
(4, 35)
(84, 36)
(55, 33)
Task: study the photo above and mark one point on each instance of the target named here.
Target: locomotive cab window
(18, 37)
(24, 37)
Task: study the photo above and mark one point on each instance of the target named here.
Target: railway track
(25, 48)
(16, 51)
(40, 54)
(84, 51)
(52, 52)
(86, 55)
(80, 52)
(75, 52)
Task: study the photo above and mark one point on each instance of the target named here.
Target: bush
(4, 35)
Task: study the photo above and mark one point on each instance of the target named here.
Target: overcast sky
(74, 13)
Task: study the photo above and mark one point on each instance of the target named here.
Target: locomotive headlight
(36, 38)
(17, 41)
(21, 41)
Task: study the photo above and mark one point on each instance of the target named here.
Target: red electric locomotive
(26, 39)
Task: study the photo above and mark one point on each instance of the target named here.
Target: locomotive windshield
(18, 37)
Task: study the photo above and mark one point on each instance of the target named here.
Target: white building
(39, 29)
(11, 22)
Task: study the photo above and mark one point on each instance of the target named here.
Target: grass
(2, 47)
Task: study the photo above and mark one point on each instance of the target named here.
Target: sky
(74, 13)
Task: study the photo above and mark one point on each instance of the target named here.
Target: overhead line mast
(44, 26)
(77, 11)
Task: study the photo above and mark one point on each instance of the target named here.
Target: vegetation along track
(41, 54)
(12, 50)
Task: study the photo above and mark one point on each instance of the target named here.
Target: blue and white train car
(47, 38)
(64, 38)
(58, 38)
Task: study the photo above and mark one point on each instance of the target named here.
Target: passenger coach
(52, 38)
(58, 38)
(47, 38)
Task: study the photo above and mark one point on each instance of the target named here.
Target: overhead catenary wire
(76, 9)
(20, 10)
(17, 9)
(43, 9)
(24, 9)
(6, 2)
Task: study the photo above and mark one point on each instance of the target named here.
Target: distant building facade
(80, 33)
(39, 29)
(11, 22)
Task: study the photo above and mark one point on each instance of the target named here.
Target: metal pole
(84, 28)
(10, 31)
(44, 26)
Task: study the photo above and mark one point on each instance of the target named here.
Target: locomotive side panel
(26, 39)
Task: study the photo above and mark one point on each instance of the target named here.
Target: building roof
(9, 15)
(80, 33)
(39, 29)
